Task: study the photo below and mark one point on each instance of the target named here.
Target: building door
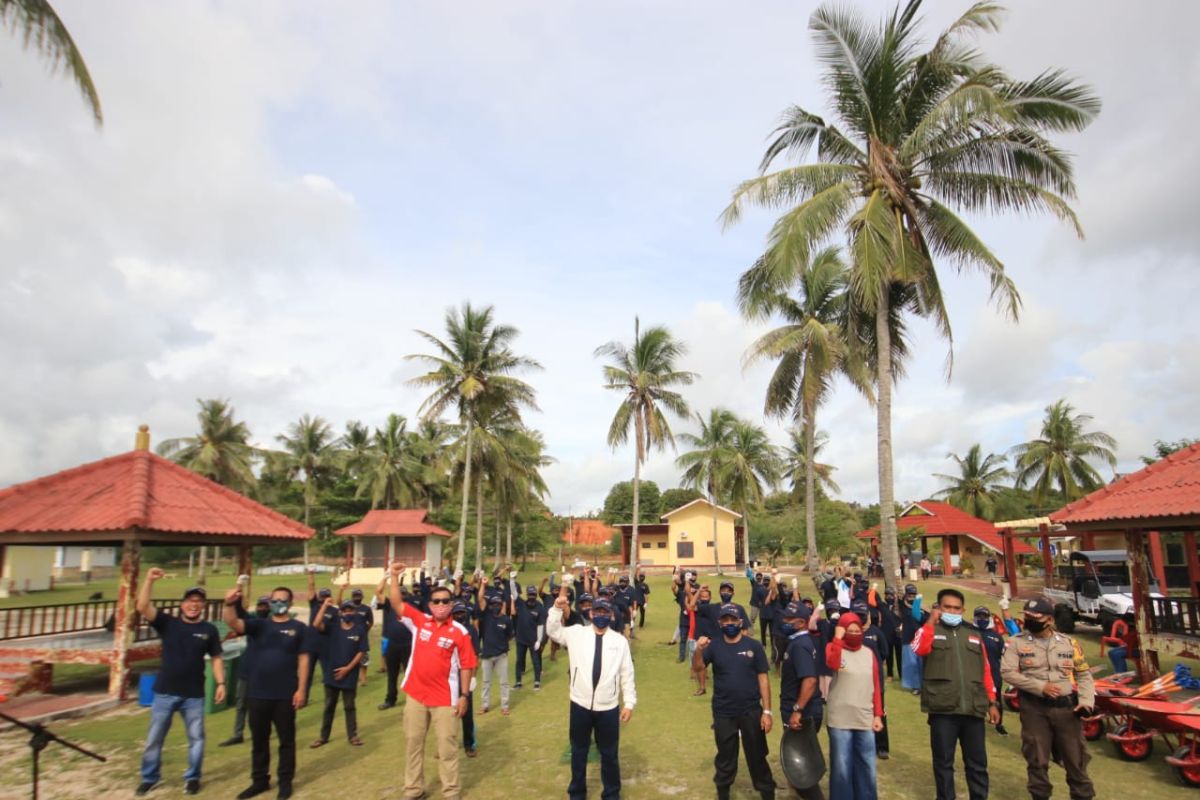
(374, 551)
(409, 549)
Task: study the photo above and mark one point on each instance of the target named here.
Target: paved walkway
(46, 707)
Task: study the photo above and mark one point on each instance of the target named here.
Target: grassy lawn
(666, 751)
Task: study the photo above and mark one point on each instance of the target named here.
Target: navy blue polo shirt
(393, 629)
(314, 605)
(799, 662)
(711, 614)
(342, 647)
(494, 632)
(529, 617)
(876, 639)
(825, 630)
(736, 668)
(366, 617)
(184, 646)
(641, 592)
(278, 646)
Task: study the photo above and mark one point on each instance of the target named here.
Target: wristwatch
(767, 711)
(797, 708)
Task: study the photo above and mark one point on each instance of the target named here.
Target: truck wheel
(1064, 618)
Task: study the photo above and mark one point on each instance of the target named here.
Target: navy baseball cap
(602, 605)
(729, 610)
(910, 588)
(531, 590)
(348, 604)
(324, 593)
(196, 590)
(726, 585)
(796, 611)
(495, 600)
(265, 600)
(460, 608)
(586, 598)
(356, 593)
(982, 611)
(832, 605)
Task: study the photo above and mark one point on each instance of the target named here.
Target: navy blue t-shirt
(184, 646)
(799, 662)
(528, 619)
(343, 645)
(314, 605)
(736, 668)
(711, 616)
(876, 639)
(495, 630)
(366, 617)
(393, 629)
(825, 630)
(277, 649)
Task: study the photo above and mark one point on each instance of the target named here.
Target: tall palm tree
(754, 465)
(220, 451)
(812, 347)
(705, 467)
(430, 447)
(647, 376)
(473, 365)
(355, 444)
(979, 481)
(919, 134)
(795, 470)
(309, 447)
(390, 467)
(1060, 456)
(38, 27)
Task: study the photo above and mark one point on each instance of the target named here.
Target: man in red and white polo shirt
(437, 682)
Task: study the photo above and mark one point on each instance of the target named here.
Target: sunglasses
(440, 601)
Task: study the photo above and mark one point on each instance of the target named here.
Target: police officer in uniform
(1050, 671)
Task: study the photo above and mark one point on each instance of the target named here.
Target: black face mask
(983, 623)
(531, 602)
(1035, 625)
(348, 620)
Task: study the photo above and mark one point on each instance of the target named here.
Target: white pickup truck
(1098, 589)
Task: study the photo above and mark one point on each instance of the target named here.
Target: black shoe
(192, 786)
(285, 791)
(722, 793)
(517, 685)
(883, 755)
(386, 706)
(144, 787)
(253, 790)
(232, 740)
(1000, 730)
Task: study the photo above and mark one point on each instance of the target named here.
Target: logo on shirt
(425, 634)
(746, 653)
(445, 643)
(288, 631)
(203, 636)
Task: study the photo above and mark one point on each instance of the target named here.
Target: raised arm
(312, 583)
(381, 590)
(554, 617)
(144, 607)
(232, 598)
(319, 622)
(482, 593)
(396, 571)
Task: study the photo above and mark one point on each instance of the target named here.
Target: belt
(1064, 701)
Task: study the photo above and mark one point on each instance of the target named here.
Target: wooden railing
(62, 618)
(1177, 615)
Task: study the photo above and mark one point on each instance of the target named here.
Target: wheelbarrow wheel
(1094, 729)
(1189, 773)
(1136, 750)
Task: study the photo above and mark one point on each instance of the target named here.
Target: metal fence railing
(63, 618)
(1177, 615)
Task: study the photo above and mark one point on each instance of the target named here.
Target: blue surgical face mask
(601, 621)
(731, 630)
(953, 620)
(787, 628)
(280, 607)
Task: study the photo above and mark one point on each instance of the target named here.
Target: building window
(662, 545)
(710, 544)
(684, 550)
(647, 545)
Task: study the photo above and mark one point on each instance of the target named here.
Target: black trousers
(312, 670)
(642, 616)
(882, 743)
(396, 661)
(764, 629)
(468, 725)
(264, 714)
(946, 733)
(606, 727)
(896, 657)
(348, 705)
(534, 656)
(754, 746)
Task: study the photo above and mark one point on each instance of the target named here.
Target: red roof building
(384, 535)
(960, 533)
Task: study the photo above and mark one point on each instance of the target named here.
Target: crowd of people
(446, 635)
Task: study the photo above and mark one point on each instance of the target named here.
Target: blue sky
(280, 195)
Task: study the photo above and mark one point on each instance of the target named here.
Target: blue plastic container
(146, 689)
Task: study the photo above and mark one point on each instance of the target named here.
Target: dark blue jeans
(164, 708)
(606, 726)
(534, 655)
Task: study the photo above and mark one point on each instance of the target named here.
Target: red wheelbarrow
(1108, 692)
(1141, 720)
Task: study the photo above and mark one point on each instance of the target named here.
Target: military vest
(953, 673)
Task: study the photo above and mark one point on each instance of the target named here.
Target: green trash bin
(232, 652)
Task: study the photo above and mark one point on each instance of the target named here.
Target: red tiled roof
(393, 522)
(141, 490)
(944, 519)
(1167, 488)
(588, 533)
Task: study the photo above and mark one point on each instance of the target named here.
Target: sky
(283, 192)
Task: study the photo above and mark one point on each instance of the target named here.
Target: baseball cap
(981, 611)
(796, 611)
(1039, 605)
(459, 608)
(726, 585)
(586, 598)
(265, 600)
(356, 593)
(910, 588)
(602, 605)
(531, 590)
(348, 604)
(196, 590)
(324, 593)
(729, 610)
(495, 600)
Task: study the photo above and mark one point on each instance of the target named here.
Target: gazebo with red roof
(387, 534)
(132, 500)
(960, 533)
(1163, 497)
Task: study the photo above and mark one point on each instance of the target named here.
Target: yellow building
(686, 538)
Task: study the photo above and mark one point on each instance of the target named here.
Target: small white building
(72, 560)
(25, 569)
(385, 535)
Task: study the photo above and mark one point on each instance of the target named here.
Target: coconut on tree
(920, 132)
(647, 376)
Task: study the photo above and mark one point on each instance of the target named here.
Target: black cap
(602, 605)
(910, 588)
(460, 608)
(623, 579)
(348, 604)
(324, 593)
(531, 590)
(726, 585)
(495, 600)
(729, 610)
(1039, 605)
(356, 593)
(196, 590)
(265, 600)
(832, 605)
(982, 611)
(796, 611)
(586, 598)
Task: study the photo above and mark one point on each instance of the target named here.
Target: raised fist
(397, 567)
(155, 574)
(702, 642)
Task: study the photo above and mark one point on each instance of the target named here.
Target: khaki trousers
(417, 719)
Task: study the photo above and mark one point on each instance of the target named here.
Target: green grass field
(666, 750)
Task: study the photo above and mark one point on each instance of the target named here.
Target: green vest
(953, 673)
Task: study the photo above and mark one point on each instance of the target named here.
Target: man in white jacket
(601, 675)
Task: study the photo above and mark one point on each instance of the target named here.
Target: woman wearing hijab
(854, 712)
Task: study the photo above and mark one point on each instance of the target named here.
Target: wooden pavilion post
(123, 628)
(1047, 558)
(1193, 562)
(1156, 560)
(1141, 603)
(947, 569)
(246, 567)
(1010, 560)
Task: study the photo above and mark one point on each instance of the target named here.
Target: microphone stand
(40, 739)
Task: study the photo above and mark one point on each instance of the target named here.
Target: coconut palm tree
(390, 466)
(647, 377)
(919, 133)
(430, 447)
(309, 447)
(796, 463)
(474, 364)
(706, 466)
(1060, 456)
(754, 466)
(220, 451)
(977, 485)
(812, 347)
(355, 444)
(38, 27)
